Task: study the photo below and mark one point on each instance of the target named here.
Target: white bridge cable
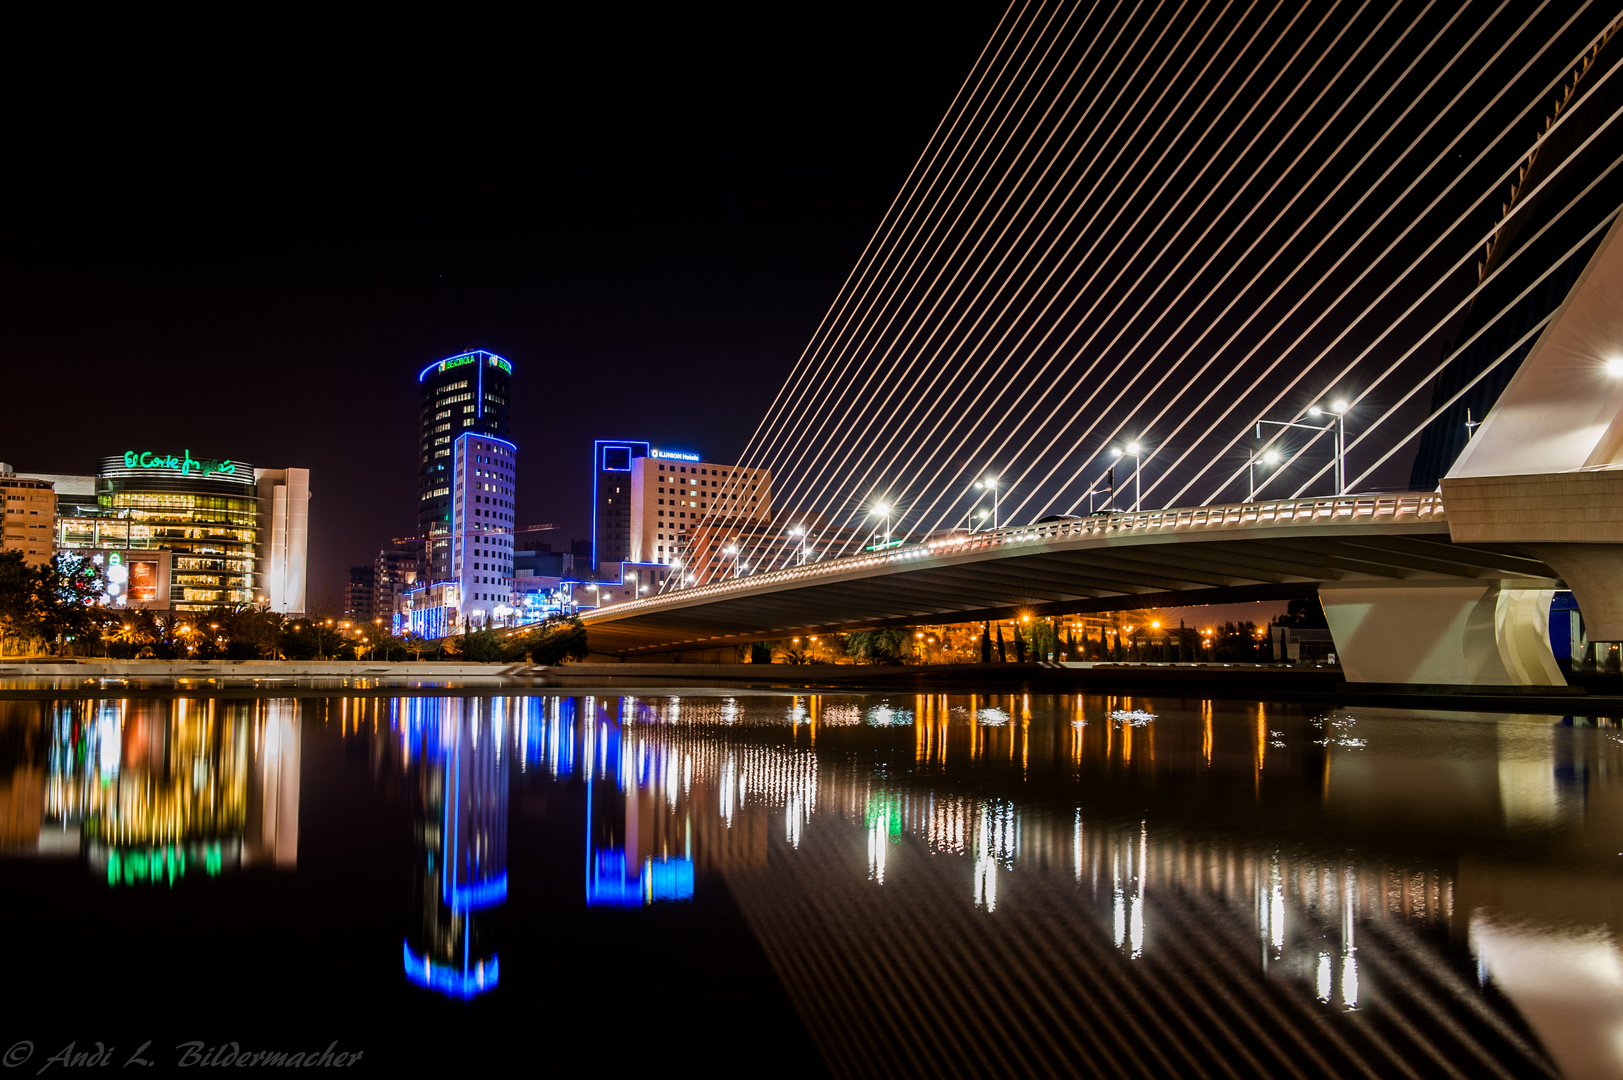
(918, 316)
(1235, 367)
(849, 440)
(916, 348)
(1524, 339)
(979, 378)
(911, 212)
(833, 372)
(1211, 190)
(879, 235)
(1180, 260)
(1488, 325)
(1391, 328)
(1459, 350)
(926, 184)
(931, 363)
(1216, 218)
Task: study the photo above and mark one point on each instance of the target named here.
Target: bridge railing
(1411, 506)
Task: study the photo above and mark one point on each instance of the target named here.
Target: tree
(1303, 613)
(65, 593)
(17, 583)
(877, 646)
(986, 643)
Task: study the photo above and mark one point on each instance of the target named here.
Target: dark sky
(246, 240)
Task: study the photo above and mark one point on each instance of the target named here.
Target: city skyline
(221, 293)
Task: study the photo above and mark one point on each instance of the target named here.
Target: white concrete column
(1449, 633)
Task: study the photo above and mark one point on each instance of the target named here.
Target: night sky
(245, 241)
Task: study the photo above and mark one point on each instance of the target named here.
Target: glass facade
(208, 522)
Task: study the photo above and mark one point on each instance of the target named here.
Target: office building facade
(468, 393)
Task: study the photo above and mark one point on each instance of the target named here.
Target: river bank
(319, 677)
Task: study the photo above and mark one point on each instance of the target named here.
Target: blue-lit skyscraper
(464, 394)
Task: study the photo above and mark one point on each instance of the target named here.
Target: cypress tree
(1002, 653)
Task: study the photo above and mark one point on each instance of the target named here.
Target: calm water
(857, 885)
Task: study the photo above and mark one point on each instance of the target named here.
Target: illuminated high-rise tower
(462, 394)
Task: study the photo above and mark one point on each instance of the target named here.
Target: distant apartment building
(29, 522)
(358, 594)
(394, 571)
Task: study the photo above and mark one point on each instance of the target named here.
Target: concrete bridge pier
(1490, 633)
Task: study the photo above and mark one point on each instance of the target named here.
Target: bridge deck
(1195, 555)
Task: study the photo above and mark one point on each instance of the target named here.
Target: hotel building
(649, 503)
(463, 394)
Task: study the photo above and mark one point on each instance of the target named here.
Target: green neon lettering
(130, 457)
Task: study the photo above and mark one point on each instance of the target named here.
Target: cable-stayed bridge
(1229, 271)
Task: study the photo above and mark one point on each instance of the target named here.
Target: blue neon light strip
(448, 980)
(481, 894)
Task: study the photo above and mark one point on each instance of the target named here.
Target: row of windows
(123, 499)
(448, 387)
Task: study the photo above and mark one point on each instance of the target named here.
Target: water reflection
(456, 750)
(150, 792)
(954, 884)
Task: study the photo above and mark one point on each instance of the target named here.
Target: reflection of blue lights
(666, 880)
(670, 880)
(609, 885)
(479, 895)
(448, 980)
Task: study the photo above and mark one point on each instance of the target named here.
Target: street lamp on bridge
(1339, 408)
(883, 510)
(989, 484)
(1270, 458)
(1135, 449)
(799, 531)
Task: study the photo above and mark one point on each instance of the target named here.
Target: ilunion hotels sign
(185, 464)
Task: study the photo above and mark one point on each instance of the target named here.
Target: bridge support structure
(1489, 633)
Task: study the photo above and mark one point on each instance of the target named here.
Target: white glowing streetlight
(883, 510)
(732, 549)
(1135, 449)
(990, 484)
(1270, 457)
(1338, 408)
(800, 532)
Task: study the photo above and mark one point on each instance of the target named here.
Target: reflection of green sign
(184, 464)
(157, 864)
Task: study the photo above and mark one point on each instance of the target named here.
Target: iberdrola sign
(184, 464)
